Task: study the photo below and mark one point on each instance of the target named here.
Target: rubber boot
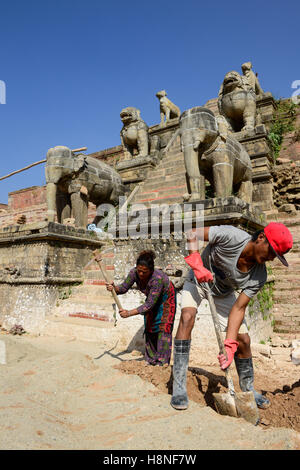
(245, 372)
(180, 399)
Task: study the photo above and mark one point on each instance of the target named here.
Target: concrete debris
(2, 353)
(262, 349)
(295, 354)
(276, 341)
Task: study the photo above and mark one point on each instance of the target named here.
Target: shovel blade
(241, 405)
(225, 404)
(246, 407)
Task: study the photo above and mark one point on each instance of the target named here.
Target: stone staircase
(286, 308)
(85, 311)
(165, 184)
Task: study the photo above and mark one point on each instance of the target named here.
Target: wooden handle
(215, 318)
(113, 292)
(216, 323)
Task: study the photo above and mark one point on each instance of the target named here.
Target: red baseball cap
(280, 239)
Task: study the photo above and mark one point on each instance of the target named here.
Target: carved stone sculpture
(237, 102)
(168, 110)
(134, 133)
(250, 79)
(74, 180)
(212, 153)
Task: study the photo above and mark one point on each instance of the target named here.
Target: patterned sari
(159, 314)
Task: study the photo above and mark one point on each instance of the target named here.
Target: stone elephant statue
(74, 180)
(212, 153)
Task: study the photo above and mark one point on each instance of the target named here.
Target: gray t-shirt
(225, 246)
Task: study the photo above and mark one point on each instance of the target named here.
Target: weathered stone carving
(168, 110)
(74, 180)
(212, 153)
(134, 133)
(237, 102)
(250, 79)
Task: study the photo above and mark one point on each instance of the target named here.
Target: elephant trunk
(51, 201)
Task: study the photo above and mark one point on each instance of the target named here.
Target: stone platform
(37, 262)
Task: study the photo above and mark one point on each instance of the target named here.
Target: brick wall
(31, 203)
(28, 197)
(28, 202)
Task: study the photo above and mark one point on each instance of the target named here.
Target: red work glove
(195, 262)
(230, 348)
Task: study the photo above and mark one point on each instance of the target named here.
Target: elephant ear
(79, 162)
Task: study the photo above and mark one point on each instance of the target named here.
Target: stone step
(287, 330)
(288, 218)
(288, 284)
(105, 314)
(287, 314)
(281, 275)
(97, 300)
(287, 326)
(94, 282)
(160, 183)
(160, 187)
(289, 307)
(92, 289)
(286, 276)
(116, 336)
(287, 336)
(294, 267)
(170, 199)
(80, 328)
(284, 297)
(96, 275)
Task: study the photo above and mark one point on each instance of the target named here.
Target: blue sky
(70, 66)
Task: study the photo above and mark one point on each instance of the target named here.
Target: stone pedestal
(265, 107)
(167, 221)
(36, 262)
(232, 211)
(164, 132)
(256, 143)
(135, 170)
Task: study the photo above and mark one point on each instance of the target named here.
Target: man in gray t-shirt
(238, 263)
(221, 256)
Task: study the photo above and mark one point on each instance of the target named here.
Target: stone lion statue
(134, 133)
(237, 102)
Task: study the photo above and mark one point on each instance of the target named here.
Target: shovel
(231, 403)
(113, 292)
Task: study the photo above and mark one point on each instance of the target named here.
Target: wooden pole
(22, 169)
(113, 292)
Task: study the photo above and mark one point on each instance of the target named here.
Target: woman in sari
(158, 310)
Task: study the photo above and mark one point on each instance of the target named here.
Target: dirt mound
(285, 409)
(285, 399)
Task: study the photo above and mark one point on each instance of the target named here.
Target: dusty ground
(283, 392)
(61, 393)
